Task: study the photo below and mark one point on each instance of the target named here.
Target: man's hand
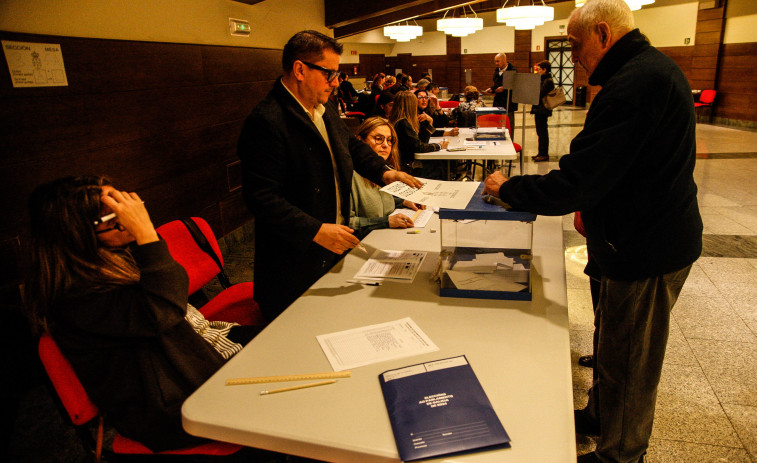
(336, 238)
(452, 132)
(397, 175)
(499, 90)
(493, 183)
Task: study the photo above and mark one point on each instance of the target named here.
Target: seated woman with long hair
(412, 139)
(115, 302)
(370, 208)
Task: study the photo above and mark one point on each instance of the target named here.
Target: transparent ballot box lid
(485, 251)
(491, 123)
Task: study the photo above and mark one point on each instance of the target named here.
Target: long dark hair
(67, 259)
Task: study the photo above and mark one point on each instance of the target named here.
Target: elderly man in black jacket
(297, 162)
(630, 173)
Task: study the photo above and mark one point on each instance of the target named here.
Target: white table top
(520, 352)
(502, 150)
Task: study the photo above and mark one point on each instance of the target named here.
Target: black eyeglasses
(380, 139)
(330, 73)
(116, 226)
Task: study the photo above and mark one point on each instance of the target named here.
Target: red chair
(706, 100)
(357, 114)
(448, 104)
(81, 411)
(235, 302)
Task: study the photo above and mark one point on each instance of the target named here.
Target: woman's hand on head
(131, 214)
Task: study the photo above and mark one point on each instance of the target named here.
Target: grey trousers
(631, 323)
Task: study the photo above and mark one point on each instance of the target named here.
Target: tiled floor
(707, 400)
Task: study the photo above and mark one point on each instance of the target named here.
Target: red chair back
(707, 96)
(72, 395)
(200, 267)
(448, 104)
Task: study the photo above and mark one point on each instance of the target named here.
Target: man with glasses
(297, 162)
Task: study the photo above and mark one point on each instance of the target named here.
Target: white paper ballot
(400, 265)
(420, 217)
(484, 281)
(435, 193)
(375, 343)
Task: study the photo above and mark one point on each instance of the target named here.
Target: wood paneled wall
(160, 119)
(737, 82)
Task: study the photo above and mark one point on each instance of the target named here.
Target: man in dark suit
(502, 96)
(297, 163)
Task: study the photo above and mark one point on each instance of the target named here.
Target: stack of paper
(400, 265)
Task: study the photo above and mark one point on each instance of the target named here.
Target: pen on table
(413, 232)
(294, 388)
(361, 248)
(364, 282)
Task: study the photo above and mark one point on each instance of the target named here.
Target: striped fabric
(214, 332)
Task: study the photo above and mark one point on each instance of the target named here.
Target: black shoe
(586, 361)
(584, 425)
(540, 158)
(593, 458)
(589, 458)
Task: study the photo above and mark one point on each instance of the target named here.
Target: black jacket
(630, 170)
(288, 184)
(411, 142)
(500, 99)
(134, 353)
(547, 85)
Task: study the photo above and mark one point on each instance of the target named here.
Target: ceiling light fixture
(403, 33)
(461, 26)
(525, 17)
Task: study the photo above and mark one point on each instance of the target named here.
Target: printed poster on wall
(35, 64)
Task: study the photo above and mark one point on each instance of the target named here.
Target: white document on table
(485, 281)
(435, 193)
(398, 265)
(375, 343)
(420, 217)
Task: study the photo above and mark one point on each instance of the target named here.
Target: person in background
(383, 107)
(426, 119)
(638, 203)
(421, 85)
(405, 83)
(115, 302)
(426, 75)
(502, 96)
(378, 84)
(465, 113)
(371, 207)
(440, 119)
(297, 162)
(390, 84)
(347, 92)
(433, 90)
(412, 139)
(542, 114)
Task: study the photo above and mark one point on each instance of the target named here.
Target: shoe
(589, 458)
(540, 158)
(584, 425)
(586, 361)
(593, 458)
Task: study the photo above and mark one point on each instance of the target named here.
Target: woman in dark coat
(413, 138)
(541, 114)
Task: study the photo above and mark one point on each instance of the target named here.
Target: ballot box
(491, 123)
(485, 250)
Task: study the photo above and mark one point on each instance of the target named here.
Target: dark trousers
(631, 323)
(543, 133)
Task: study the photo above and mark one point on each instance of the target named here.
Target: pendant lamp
(525, 17)
(460, 26)
(403, 33)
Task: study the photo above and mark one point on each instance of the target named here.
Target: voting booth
(486, 250)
